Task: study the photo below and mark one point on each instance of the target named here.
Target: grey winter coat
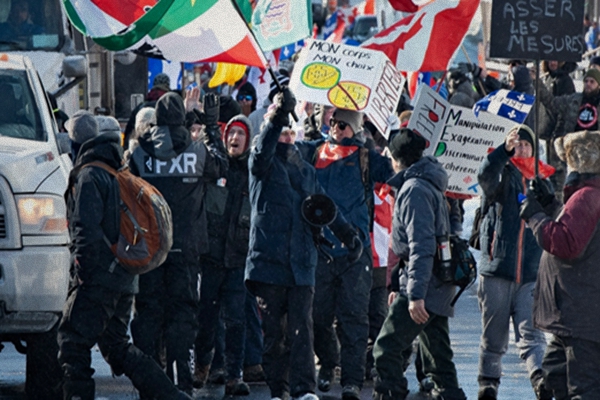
(420, 216)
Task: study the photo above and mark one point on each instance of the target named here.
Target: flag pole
(268, 67)
(479, 82)
(536, 150)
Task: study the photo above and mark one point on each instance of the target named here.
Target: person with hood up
(422, 307)
(567, 296)
(508, 266)
(168, 158)
(100, 300)
(160, 85)
(348, 171)
(246, 97)
(282, 256)
(222, 288)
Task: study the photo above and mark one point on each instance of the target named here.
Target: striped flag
(506, 103)
(177, 30)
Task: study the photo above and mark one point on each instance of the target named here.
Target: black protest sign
(537, 29)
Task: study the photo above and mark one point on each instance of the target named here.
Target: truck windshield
(19, 117)
(31, 25)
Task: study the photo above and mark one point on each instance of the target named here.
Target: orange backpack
(146, 231)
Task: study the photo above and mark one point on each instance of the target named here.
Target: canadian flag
(349, 14)
(427, 39)
(404, 5)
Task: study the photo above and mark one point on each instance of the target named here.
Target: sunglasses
(246, 97)
(341, 124)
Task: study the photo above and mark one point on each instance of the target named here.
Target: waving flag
(177, 30)
(505, 103)
(404, 5)
(427, 39)
(277, 23)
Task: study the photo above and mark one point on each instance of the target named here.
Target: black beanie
(407, 144)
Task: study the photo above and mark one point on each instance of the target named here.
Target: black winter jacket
(93, 212)
(228, 216)
(179, 168)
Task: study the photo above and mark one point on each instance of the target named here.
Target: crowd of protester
(254, 287)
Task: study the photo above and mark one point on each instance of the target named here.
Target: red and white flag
(349, 14)
(382, 224)
(427, 39)
(404, 5)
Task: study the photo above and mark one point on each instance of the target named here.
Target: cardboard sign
(537, 30)
(460, 139)
(348, 77)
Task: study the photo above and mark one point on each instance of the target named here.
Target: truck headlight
(42, 214)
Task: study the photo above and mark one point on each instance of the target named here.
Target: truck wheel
(44, 375)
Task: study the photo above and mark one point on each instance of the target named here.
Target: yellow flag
(227, 73)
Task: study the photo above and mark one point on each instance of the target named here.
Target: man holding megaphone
(282, 256)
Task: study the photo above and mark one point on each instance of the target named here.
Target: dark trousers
(342, 292)
(572, 368)
(288, 358)
(254, 334)
(94, 314)
(377, 312)
(222, 293)
(397, 334)
(166, 311)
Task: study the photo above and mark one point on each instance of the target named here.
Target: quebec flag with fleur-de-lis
(506, 103)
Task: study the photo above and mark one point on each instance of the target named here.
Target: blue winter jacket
(508, 247)
(281, 248)
(343, 182)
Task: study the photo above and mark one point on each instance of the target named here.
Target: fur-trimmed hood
(580, 150)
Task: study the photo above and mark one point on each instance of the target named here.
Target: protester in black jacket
(99, 305)
(222, 288)
(167, 305)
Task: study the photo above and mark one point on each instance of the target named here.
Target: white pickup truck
(34, 239)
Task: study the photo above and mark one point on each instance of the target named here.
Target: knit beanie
(525, 133)
(240, 121)
(82, 126)
(283, 80)
(162, 81)
(594, 74)
(352, 118)
(108, 124)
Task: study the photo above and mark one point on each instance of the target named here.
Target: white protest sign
(348, 77)
(460, 139)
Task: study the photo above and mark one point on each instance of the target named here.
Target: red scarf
(526, 167)
(330, 153)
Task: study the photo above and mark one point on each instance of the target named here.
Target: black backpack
(463, 267)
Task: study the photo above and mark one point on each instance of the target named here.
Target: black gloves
(349, 237)
(542, 190)
(530, 206)
(285, 102)
(474, 69)
(211, 109)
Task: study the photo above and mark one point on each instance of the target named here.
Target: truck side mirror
(74, 66)
(64, 143)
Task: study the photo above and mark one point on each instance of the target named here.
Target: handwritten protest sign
(348, 77)
(458, 138)
(540, 29)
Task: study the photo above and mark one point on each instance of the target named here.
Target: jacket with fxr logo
(180, 168)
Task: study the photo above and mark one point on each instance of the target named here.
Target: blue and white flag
(505, 103)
